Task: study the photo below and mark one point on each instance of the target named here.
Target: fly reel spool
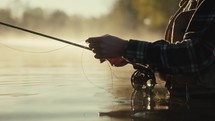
(143, 77)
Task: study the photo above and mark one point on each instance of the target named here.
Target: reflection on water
(141, 103)
(151, 106)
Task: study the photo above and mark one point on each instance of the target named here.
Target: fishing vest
(179, 24)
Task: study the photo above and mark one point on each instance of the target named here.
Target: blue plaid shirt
(195, 53)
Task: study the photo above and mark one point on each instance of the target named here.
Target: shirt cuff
(136, 51)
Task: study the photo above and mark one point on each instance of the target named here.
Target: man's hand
(118, 62)
(106, 47)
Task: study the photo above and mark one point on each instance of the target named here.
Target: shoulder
(203, 15)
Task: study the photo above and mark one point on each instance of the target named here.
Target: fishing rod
(44, 35)
(139, 78)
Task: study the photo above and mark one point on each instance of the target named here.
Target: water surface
(73, 86)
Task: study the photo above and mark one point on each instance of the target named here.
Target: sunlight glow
(85, 8)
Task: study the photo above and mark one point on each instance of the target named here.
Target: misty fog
(21, 47)
(60, 24)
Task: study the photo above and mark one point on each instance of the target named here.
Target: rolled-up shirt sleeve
(163, 56)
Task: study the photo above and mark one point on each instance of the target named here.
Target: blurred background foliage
(130, 18)
(151, 13)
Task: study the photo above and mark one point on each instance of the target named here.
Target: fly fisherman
(186, 57)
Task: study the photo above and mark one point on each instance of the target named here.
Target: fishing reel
(143, 77)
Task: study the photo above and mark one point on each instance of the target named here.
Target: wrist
(124, 47)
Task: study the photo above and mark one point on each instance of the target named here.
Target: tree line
(127, 17)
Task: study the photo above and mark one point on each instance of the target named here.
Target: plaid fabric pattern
(195, 53)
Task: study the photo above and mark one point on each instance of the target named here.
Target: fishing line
(100, 87)
(60, 40)
(27, 51)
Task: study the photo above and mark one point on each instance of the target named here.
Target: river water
(72, 86)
